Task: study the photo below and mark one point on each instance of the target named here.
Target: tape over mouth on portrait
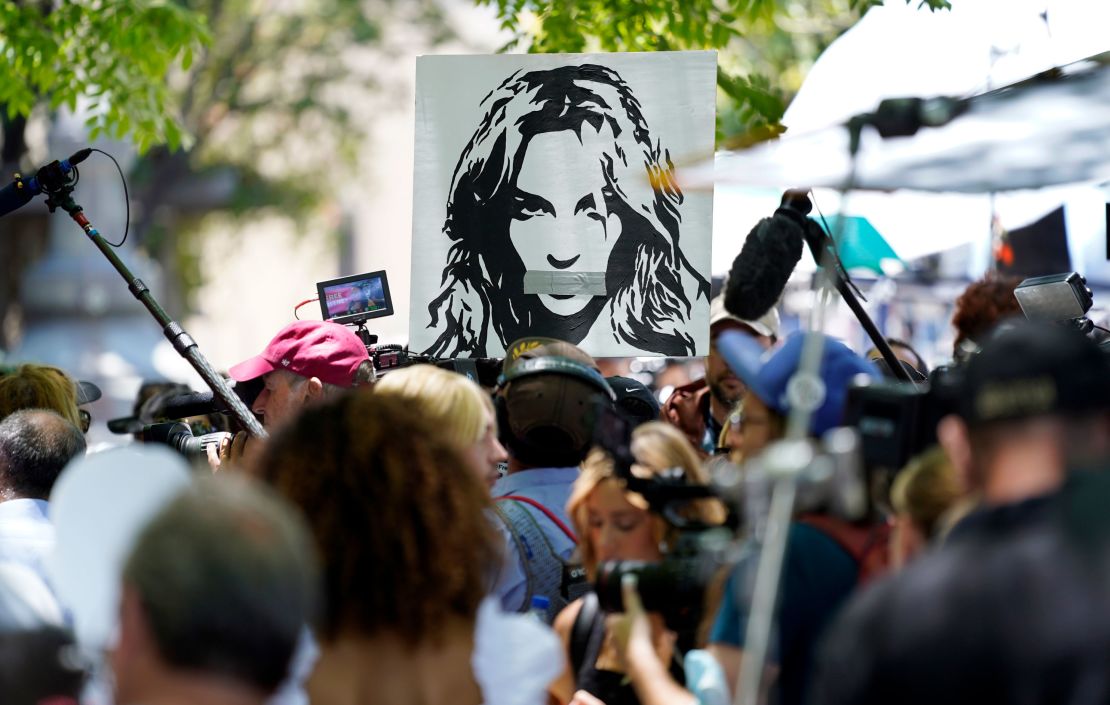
(564, 283)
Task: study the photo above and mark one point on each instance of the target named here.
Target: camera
(356, 299)
(179, 436)
(897, 421)
(674, 587)
(1056, 298)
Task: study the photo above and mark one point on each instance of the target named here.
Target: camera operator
(825, 556)
(616, 525)
(1002, 613)
(305, 363)
(701, 409)
(549, 394)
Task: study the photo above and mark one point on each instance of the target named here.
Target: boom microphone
(20, 191)
(768, 258)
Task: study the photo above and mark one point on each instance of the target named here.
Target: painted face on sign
(561, 221)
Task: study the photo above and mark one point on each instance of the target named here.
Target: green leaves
(762, 53)
(115, 55)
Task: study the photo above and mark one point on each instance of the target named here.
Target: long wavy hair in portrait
(650, 285)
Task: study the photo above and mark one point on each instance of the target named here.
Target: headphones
(523, 449)
(559, 366)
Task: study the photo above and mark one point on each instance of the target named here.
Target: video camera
(896, 421)
(675, 586)
(830, 480)
(179, 436)
(185, 420)
(354, 300)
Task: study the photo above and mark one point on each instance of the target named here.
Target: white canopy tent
(900, 50)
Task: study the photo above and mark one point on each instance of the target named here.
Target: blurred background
(268, 145)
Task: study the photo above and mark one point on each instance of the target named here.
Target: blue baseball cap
(768, 373)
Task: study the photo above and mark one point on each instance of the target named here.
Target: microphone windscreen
(766, 261)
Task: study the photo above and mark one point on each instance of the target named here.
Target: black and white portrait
(561, 215)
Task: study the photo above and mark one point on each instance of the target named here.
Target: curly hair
(983, 305)
(32, 386)
(405, 543)
(657, 448)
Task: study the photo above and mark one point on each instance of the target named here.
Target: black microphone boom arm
(59, 190)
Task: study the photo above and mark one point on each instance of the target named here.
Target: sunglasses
(86, 420)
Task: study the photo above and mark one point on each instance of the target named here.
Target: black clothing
(1007, 611)
(607, 686)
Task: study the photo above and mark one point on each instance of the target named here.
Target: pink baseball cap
(320, 349)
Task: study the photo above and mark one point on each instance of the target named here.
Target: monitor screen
(356, 298)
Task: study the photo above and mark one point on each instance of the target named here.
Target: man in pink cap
(306, 362)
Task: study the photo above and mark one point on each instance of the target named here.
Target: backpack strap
(546, 572)
(522, 551)
(580, 631)
(544, 510)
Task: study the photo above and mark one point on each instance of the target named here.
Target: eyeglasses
(85, 418)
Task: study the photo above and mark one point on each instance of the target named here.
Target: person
(455, 408)
(701, 409)
(618, 525)
(407, 551)
(634, 399)
(305, 363)
(612, 225)
(149, 408)
(32, 386)
(923, 497)
(979, 309)
(826, 556)
(1005, 611)
(35, 446)
(548, 404)
(905, 353)
(215, 594)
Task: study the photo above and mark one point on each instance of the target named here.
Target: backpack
(548, 574)
(868, 545)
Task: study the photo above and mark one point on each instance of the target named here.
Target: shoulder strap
(546, 512)
(580, 631)
(522, 551)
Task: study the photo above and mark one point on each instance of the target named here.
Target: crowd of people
(416, 537)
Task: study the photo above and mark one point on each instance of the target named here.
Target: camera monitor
(356, 298)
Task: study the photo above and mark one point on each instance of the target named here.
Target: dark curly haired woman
(983, 305)
(407, 552)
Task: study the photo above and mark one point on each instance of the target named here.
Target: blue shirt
(817, 577)
(551, 488)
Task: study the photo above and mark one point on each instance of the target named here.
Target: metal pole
(182, 342)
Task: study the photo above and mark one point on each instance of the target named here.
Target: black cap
(1029, 370)
(87, 392)
(634, 399)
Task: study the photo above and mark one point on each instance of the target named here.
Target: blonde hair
(656, 447)
(925, 490)
(39, 387)
(449, 403)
